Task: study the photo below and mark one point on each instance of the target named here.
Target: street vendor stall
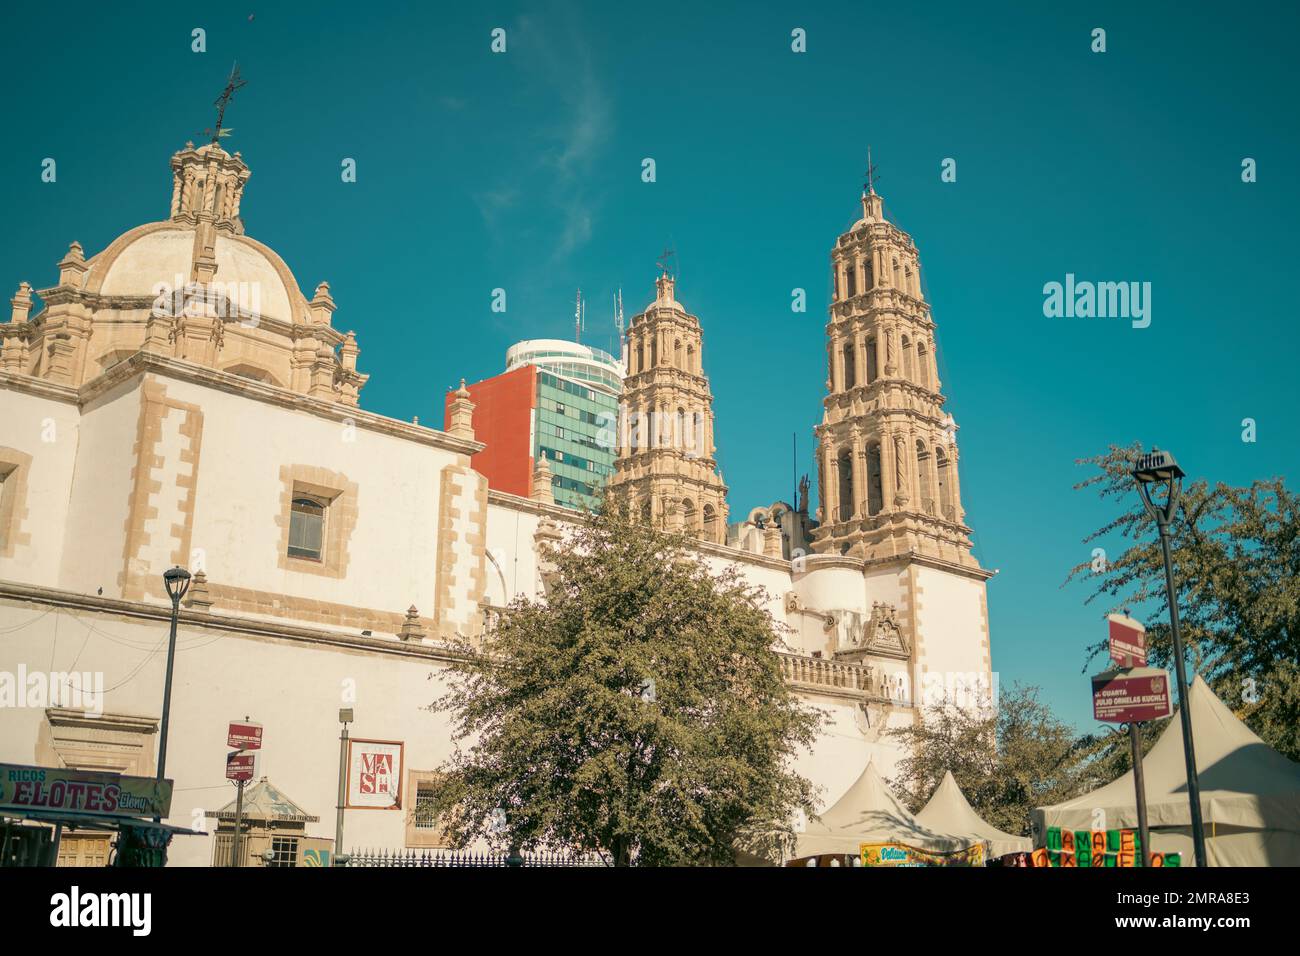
(1250, 794)
(870, 826)
(38, 804)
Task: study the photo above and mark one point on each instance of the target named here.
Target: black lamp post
(1160, 468)
(177, 581)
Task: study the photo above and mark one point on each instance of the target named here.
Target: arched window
(306, 528)
(690, 358)
(922, 365)
(710, 532)
(851, 274)
(868, 277)
(640, 357)
(923, 477)
(654, 351)
(907, 358)
(873, 359)
(875, 486)
(845, 469)
(688, 517)
(945, 485)
(898, 275)
(850, 365)
(677, 354)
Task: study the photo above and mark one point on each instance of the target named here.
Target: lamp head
(177, 582)
(1155, 466)
(345, 715)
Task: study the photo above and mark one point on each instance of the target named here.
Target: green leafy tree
(1007, 759)
(1236, 553)
(637, 712)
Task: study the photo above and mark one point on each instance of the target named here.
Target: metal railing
(463, 858)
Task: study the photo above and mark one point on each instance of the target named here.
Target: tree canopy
(636, 712)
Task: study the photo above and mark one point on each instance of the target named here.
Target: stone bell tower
(666, 468)
(886, 451)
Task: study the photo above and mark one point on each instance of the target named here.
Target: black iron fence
(463, 858)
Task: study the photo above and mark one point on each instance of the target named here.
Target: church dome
(164, 252)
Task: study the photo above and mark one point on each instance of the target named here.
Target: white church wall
(952, 616)
(391, 552)
(43, 430)
(293, 688)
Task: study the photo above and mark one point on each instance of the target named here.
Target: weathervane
(222, 101)
(870, 185)
(663, 260)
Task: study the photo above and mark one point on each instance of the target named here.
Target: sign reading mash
(374, 774)
(87, 792)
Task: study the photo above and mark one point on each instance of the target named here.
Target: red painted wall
(503, 420)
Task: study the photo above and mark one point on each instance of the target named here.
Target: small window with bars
(307, 528)
(284, 851)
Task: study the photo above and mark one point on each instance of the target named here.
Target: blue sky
(522, 171)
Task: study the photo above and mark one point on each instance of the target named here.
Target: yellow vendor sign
(900, 854)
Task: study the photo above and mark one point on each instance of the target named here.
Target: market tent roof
(869, 812)
(949, 812)
(264, 801)
(1249, 792)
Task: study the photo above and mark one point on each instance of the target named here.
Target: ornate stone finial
(21, 303)
(772, 539)
(322, 305)
(460, 413)
(73, 265)
(198, 598)
(349, 352)
(412, 629)
(542, 490)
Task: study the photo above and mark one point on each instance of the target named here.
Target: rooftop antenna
(579, 318)
(233, 84)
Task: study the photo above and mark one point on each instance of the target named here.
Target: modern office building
(556, 400)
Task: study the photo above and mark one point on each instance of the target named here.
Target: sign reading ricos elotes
(85, 792)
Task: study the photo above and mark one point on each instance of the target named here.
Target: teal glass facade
(576, 430)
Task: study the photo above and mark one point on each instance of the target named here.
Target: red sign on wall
(1134, 695)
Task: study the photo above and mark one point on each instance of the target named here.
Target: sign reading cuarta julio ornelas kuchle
(84, 792)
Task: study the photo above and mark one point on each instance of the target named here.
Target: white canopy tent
(1250, 794)
(869, 812)
(949, 812)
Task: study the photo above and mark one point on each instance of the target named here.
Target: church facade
(176, 399)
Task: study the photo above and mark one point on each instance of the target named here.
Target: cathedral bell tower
(886, 451)
(666, 469)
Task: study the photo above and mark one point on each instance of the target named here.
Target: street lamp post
(345, 718)
(1159, 467)
(177, 582)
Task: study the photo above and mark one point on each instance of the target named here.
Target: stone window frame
(15, 466)
(434, 837)
(339, 496)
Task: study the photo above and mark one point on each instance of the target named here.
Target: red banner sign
(244, 735)
(1134, 695)
(1128, 641)
(240, 766)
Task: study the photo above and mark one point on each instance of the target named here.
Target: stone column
(830, 510)
(887, 471)
(859, 478)
(901, 496)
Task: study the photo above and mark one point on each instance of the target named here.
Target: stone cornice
(143, 362)
(141, 610)
(40, 387)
